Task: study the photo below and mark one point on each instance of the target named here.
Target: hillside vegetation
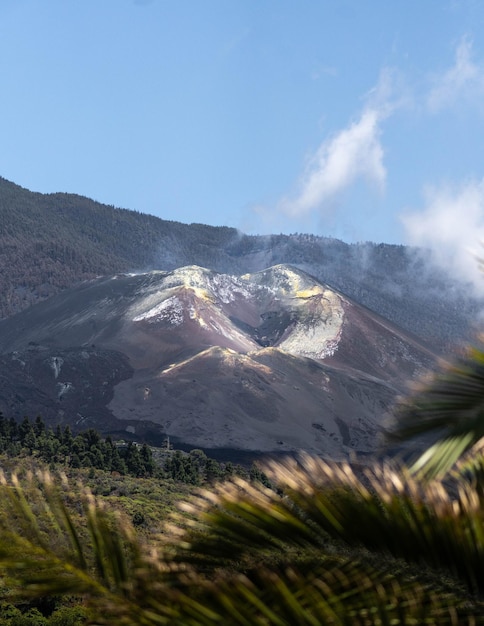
(243, 554)
(49, 242)
(142, 485)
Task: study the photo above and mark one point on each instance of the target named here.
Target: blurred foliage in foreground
(330, 543)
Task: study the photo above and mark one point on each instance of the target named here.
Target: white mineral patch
(208, 284)
(227, 288)
(319, 311)
(56, 364)
(317, 335)
(169, 310)
(63, 389)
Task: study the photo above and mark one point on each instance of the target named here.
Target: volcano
(273, 361)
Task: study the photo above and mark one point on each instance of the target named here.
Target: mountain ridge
(49, 242)
(273, 361)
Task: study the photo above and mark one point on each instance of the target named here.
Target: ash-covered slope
(270, 361)
(49, 242)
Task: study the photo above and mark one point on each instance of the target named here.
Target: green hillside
(51, 241)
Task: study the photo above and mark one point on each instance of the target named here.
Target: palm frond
(386, 511)
(46, 550)
(251, 556)
(450, 405)
(333, 591)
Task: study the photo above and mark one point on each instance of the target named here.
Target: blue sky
(357, 119)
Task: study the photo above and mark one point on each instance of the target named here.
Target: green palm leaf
(326, 591)
(46, 550)
(449, 405)
(386, 511)
(191, 582)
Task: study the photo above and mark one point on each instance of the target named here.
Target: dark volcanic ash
(271, 361)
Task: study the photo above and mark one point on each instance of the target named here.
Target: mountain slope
(52, 241)
(49, 242)
(272, 361)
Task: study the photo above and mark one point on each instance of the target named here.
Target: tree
(13, 428)
(212, 470)
(39, 426)
(24, 429)
(182, 467)
(67, 437)
(29, 440)
(331, 544)
(147, 459)
(91, 437)
(117, 463)
(133, 460)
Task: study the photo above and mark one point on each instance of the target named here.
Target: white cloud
(451, 226)
(356, 153)
(350, 156)
(353, 153)
(465, 79)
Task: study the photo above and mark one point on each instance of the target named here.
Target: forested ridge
(49, 242)
(142, 483)
(89, 449)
